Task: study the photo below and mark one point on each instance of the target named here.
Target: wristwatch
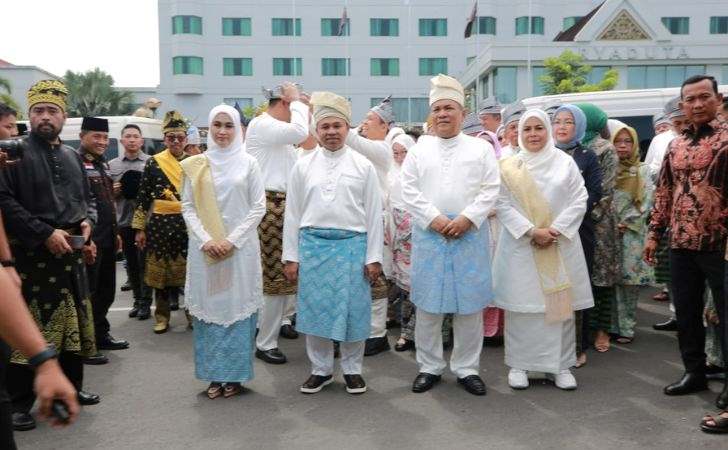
(49, 353)
(8, 263)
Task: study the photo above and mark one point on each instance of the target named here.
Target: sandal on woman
(601, 343)
(404, 345)
(214, 390)
(624, 340)
(661, 297)
(719, 423)
(232, 389)
(580, 360)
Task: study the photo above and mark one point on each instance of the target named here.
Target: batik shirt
(691, 192)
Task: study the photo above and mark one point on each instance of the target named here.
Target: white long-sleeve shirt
(333, 190)
(456, 176)
(271, 142)
(379, 153)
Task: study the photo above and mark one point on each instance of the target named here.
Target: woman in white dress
(540, 274)
(223, 201)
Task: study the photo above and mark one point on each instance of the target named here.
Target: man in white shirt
(271, 138)
(373, 140)
(332, 246)
(658, 147)
(450, 183)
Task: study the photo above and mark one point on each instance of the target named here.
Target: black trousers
(689, 270)
(135, 266)
(102, 283)
(21, 377)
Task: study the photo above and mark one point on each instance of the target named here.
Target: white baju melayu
(334, 191)
(379, 153)
(229, 292)
(531, 343)
(456, 176)
(656, 151)
(271, 142)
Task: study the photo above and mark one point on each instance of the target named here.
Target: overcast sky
(119, 36)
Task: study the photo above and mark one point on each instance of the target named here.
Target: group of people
(535, 228)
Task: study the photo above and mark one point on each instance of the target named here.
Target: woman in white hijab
(223, 201)
(540, 274)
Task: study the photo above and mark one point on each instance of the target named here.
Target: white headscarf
(540, 160)
(220, 157)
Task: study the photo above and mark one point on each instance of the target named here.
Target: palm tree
(93, 94)
(5, 96)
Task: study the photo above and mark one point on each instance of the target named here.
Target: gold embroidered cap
(328, 104)
(48, 91)
(174, 121)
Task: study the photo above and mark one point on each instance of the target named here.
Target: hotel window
(243, 102)
(505, 87)
(485, 86)
(284, 27)
(486, 25)
(186, 25)
(407, 110)
(719, 25)
(236, 26)
(237, 67)
(330, 27)
(287, 66)
(384, 27)
(597, 73)
(187, 65)
(522, 25)
(384, 67)
(677, 25)
(570, 21)
(433, 27)
(335, 67)
(433, 66)
(647, 77)
(536, 88)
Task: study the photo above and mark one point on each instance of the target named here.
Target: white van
(151, 132)
(634, 107)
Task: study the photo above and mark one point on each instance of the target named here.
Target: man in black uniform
(49, 212)
(102, 273)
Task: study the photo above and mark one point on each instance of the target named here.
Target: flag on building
(342, 24)
(471, 20)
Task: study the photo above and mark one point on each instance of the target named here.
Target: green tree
(5, 94)
(568, 73)
(92, 93)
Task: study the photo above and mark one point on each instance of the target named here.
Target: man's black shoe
(374, 346)
(87, 398)
(134, 310)
(126, 286)
(23, 421)
(670, 325)
(315, 383)
(424, 382)
(145, 311)
(96, 360)
(473, 384)
(355, 384)
(272, 356)
(109, 343)
(288, 332)
(714, 373)
(688, 384)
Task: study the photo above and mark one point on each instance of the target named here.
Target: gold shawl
(171, 168)
(554, 280)
(197, 169)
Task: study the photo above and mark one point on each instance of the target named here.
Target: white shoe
(518, 379)
(565, 380)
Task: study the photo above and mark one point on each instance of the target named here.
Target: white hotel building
(215, 51)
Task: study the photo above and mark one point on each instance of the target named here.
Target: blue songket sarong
(451, 275)
(334, 296)
(224, 353)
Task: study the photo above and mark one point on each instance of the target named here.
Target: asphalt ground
(151, 400)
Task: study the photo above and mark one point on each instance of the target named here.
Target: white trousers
(269, 321)
(289, 309)
(321, 353)
(468, 342)
(379, 317)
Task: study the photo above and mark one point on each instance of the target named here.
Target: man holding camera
(48, 210)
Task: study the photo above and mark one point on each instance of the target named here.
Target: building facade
(227, 50)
